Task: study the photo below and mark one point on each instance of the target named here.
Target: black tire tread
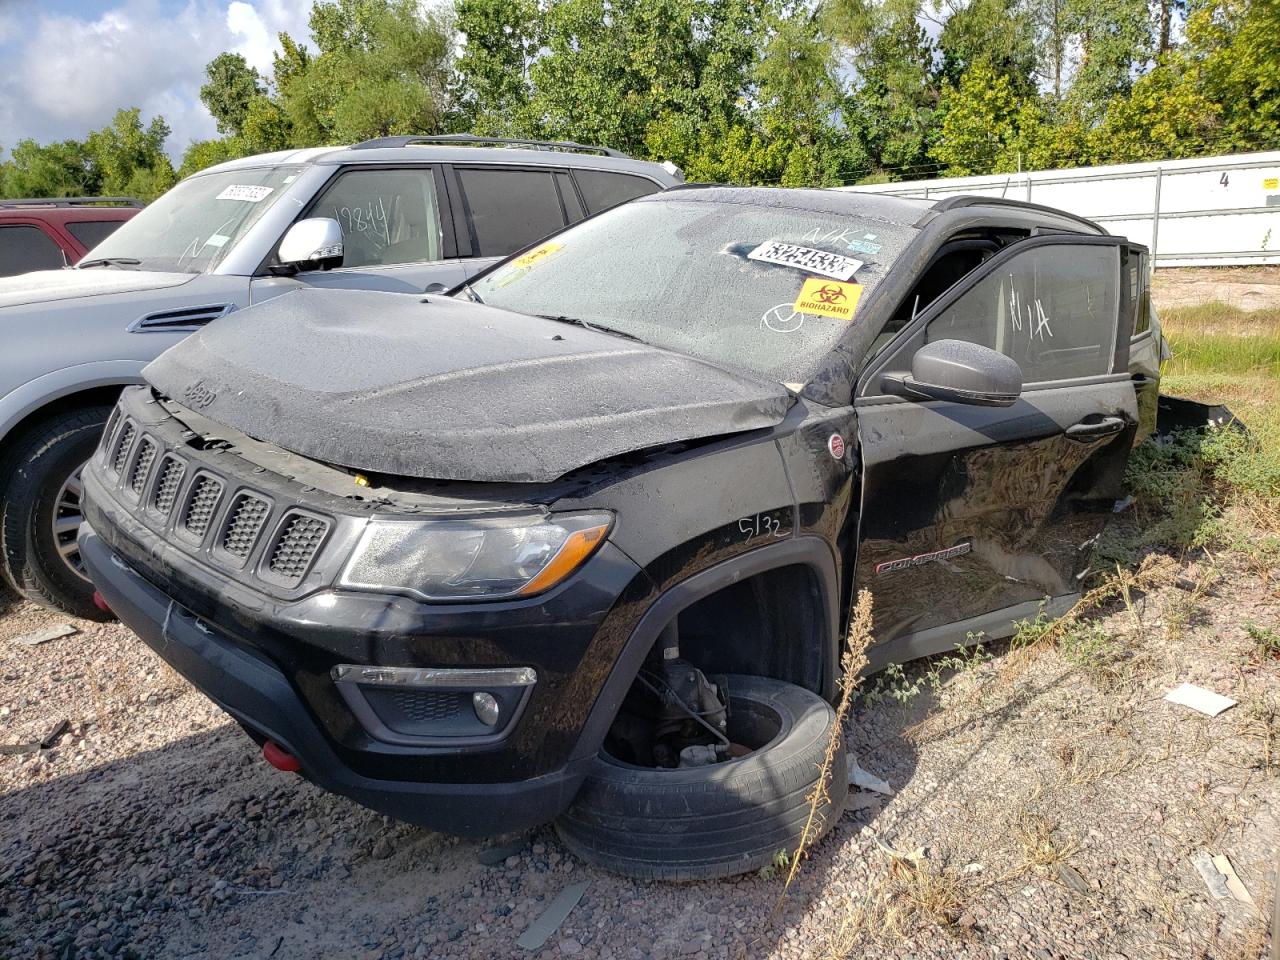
(711, 822)
(23, 483)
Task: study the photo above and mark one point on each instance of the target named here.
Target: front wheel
(725, 818)
(41, 511)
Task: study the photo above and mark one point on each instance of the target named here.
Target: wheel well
(96, 396)
(772, 624)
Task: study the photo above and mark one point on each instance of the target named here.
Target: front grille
(244, 522)
(123, 446)
(142, 465)
(171, 471)
(296, 545)
(201, 502)
(204, 506)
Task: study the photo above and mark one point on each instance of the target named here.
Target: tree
(979, 122)
(1233, 56)
(997, 33)
(130, 158)
(492, 85)
(63, 169)
(231, 86)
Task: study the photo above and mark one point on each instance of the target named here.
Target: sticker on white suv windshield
(244, 191)
(806, 258)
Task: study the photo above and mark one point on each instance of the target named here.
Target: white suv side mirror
(314, 242)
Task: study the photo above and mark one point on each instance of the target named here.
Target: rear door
(972, 515)
(507, 208)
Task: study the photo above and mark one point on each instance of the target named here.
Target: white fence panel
(1206, 212)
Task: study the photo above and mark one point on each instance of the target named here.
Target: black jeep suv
(581, 540)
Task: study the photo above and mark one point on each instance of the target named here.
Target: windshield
(197, 223)
(767, 288)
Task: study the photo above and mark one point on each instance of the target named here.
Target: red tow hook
(280, 758)
(100, 602)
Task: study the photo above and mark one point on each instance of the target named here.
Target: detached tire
(719, 820)
(33, 475)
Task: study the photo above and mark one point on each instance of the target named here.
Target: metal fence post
(1155, 221)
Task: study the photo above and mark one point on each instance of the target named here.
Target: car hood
(44, 286)
(442, 389)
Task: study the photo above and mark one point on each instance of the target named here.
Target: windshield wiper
(587, 325)
(109, 262)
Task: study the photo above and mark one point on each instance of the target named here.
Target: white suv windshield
(770, 288)
(197, 223)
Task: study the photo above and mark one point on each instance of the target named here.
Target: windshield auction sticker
(537, 255)
(826, 298)
(245, 192)
(805, 258)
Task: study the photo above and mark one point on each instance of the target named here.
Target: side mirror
(315, 242)
(961, 372)
(435, 288)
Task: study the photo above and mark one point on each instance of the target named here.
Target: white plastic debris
(1198, 698)
(867, 781)
(53, 632)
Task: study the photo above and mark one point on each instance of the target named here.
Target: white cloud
(72, 73)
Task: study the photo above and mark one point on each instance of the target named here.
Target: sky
(68, 65)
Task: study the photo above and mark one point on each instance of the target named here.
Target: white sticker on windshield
(807, 259)
(217, 240)
(246, 192)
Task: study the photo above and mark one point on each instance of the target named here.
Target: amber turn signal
(576, 550)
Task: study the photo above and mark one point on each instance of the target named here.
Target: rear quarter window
(603, 190)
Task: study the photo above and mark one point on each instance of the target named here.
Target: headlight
(486, 558)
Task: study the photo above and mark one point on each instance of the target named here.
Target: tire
(38, 465)
(720, 820)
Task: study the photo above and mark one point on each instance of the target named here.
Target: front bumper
(260, 697)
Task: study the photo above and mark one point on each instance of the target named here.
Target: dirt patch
(1045, 806)
(1248, 288)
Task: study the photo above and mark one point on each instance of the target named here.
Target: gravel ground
(1249, 288)
(1045, 806)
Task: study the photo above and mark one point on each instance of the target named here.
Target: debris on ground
(866, 780)
(1198, 698)
(549, 922)
(54, 631)
(1202, 860)
(47, 742)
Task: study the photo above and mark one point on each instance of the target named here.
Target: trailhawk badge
(920, 559)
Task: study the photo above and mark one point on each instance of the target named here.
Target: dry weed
(852, 663)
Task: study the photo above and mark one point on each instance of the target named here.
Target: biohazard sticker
(537, 255)
(827, 298)
(805, 258)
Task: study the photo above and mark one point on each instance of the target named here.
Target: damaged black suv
(580, 542)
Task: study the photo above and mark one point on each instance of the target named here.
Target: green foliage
(744, 91)
(894, 683)
(1265, 639)
(231, 86)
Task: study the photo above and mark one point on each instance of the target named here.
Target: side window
(387, 216)
(1052, 308)
(90, 233)
(510, 209)
(604, 190)
(24, 248)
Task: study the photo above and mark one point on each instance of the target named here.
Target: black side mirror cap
(960, 372)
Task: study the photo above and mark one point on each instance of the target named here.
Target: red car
(55, 233)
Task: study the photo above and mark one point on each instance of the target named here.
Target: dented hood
(438, 388)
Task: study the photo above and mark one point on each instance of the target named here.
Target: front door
(971, 516)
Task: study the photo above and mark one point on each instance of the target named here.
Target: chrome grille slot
(245, 519)
(108, 433)
(123, 446)
(142, 465)
(201, 502)
(296, 545)
(170, 479)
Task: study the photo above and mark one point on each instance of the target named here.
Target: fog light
(486, 708)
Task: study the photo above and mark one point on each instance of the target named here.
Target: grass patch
(1224, 339)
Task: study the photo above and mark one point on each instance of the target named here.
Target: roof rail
(73, 202)
(470, 139)
(974, 200)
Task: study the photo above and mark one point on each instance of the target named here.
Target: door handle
(1092, 429)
